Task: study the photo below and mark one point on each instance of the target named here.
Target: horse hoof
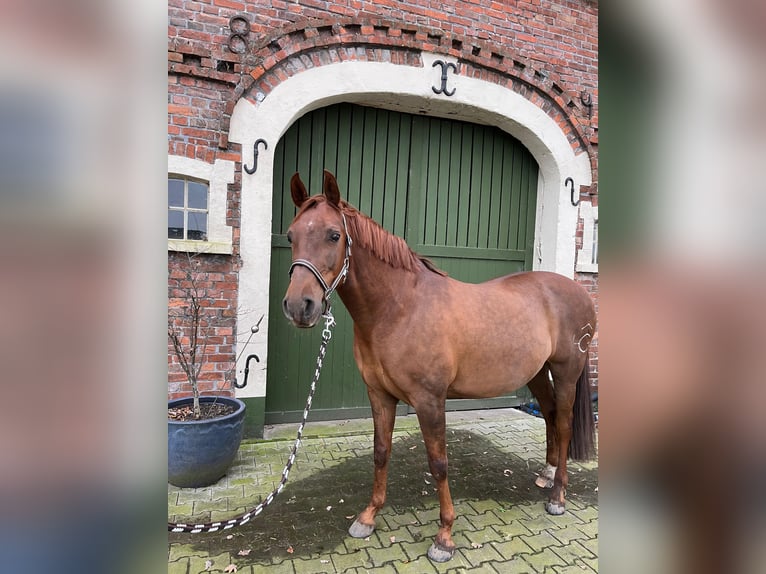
(361, 530)
(439, 553)
(554, 508)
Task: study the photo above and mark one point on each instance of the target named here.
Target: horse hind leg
(565, 378)
(383, 414)
(542, 389)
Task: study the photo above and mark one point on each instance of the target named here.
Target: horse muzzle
(303, 312)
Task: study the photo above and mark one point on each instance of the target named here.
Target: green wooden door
(462, 194)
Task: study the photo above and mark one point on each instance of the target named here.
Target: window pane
(175, 192)
(197, 195)
(175, 224)
(595, 242)
(197, 225)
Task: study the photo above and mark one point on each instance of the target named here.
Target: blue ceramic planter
(200, 452)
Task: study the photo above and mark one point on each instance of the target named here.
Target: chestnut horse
(422, 337)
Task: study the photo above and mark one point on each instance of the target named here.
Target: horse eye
(334, 236)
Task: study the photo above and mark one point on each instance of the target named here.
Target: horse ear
(298, 190)
(331, 191)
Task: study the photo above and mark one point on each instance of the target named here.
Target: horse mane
(386, 246)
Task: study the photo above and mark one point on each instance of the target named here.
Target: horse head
(321, 248)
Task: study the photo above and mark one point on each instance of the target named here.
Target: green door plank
(402, 176)
(486, 190)
(378, 187)
(477, 145)
(464, 183)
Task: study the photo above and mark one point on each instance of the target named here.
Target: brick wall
(215, 281)
(546, 51)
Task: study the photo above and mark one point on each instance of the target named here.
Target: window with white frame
(587, 256)
(197, 193)
(187, 208)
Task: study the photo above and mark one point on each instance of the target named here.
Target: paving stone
(485, 553)
(572, 552)
(586, 514)
(344, 562)
(204, 506)
(545, 559)
(569, 533)
(540, 522)
(489, 518)
(180, 566)
(508, 531)
(591, 545)
(540, 541)
(313, 566)
(514, 566)
(573, 569)
(416, 550)
(513, 548)
(379, 556)
(592, 562)
(191, 495)
(566, 519)
(181, 512)
(197, 563)
(420, 566)
(514, 513)
(227, 492)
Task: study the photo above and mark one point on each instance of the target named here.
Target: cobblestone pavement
(501, 524)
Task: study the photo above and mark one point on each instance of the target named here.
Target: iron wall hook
(570, 182)
(251, 170)
(445, 68)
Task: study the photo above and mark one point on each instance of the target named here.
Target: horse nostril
(284, 304)
(308, 306)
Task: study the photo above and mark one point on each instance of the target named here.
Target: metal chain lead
(245, 518)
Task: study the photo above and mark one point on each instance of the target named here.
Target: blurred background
(83, 290)
(682, 311)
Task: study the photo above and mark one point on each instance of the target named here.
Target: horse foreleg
(383, 415)
(542, 389)
(566, 386)
(433, 427)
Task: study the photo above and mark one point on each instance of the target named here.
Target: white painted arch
(407, 89)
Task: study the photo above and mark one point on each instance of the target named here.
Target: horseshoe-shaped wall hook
(251, 170)
(570, 182)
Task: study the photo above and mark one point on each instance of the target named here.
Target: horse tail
(582, 443)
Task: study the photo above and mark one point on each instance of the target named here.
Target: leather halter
(328, 289)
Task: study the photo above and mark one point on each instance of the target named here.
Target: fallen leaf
(328, 508)
(414, 446)
(341, 501)
(424, 492)
(230, 568)
(476, 545)
(392, 539)
(229, 537)
(350, 516)
(424, 480)
(507, 472)
(324, 561)
(290, 550)
(208, 564)
(367, 539)
(244, 552)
